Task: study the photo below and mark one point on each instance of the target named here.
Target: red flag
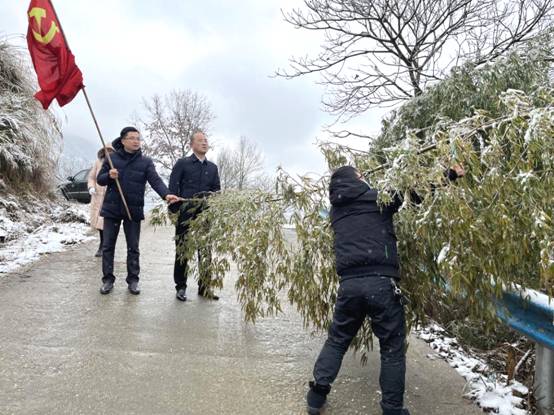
(58, 75)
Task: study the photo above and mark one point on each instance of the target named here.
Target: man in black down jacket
(192, 177)
(133, 170)
(367, 264)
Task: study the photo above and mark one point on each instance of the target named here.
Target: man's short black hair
(127, 130)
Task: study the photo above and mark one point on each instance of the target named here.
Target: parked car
(76, 187)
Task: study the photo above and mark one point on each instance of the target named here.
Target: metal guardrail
(532, 314)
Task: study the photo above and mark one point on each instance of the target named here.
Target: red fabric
(58, 75)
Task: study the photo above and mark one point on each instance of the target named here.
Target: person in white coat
(97, 196)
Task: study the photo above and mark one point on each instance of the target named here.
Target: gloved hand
(91, 191)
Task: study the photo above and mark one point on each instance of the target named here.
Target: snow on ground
(29, 235)
(490, 390)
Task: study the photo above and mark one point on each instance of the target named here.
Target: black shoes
(106, 288)
(98, 253)
(208, 294)
(181, 294)
(316, 398)
(134, 288)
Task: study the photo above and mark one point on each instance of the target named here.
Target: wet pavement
(65, 349)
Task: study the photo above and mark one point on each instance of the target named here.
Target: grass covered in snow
(31, 227)
(491, 391)
(30, 139)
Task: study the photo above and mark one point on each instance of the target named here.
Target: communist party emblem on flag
(58, 76)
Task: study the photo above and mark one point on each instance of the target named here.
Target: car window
(82, 176)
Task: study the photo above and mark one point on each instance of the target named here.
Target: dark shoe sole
(103, 292)
(314, 411)
(181, 298)
(134, 292)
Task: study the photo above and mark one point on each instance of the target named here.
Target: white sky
(227, 50)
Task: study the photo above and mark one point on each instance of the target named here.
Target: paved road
(65, 349)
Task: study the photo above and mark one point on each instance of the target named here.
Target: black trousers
(180, 269)
(359, 298)
(132, 236)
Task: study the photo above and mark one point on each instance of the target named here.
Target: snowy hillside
(31, 227)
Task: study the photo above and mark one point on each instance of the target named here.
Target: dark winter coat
(134, 171)
(365, 242)
(191, 177)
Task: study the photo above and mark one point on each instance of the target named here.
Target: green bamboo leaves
(458, 246)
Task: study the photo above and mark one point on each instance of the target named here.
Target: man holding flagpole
(57, 73)
(60, 79)
(134, 170)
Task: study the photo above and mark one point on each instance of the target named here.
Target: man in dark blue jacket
(192, 177)
(368, 268)
(133, 170)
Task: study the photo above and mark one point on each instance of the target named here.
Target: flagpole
(106, 152)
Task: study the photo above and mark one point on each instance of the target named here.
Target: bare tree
(225, 167)
(379, 52)
(241, 167)
(169, 122)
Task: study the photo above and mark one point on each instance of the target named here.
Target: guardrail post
(544, 379)
(532, 314)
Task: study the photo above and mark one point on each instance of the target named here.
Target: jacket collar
(196, 159)
(129, 157)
